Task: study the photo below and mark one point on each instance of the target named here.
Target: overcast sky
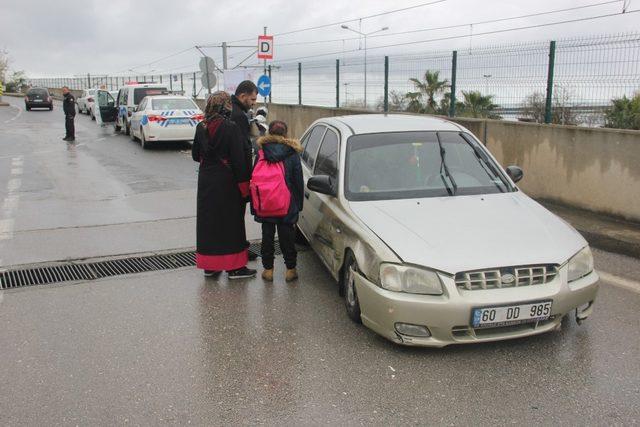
(64, 38)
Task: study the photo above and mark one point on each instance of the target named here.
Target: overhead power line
(465, 35)
(490, 21)
(317, 27)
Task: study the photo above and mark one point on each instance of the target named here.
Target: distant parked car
(84, 101)
(431, 240)
(38, 97)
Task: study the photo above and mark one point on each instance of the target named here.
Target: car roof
(168, 96)
(378, 123)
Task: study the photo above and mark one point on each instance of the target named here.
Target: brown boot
(291, 275)
(268, 275)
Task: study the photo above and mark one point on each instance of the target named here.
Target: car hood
(463, 233)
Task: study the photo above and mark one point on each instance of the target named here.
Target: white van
(129, 96)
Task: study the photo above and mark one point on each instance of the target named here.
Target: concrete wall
(593, 169)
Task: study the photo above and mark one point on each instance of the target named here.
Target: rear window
(141, 92)
(41, 92)
(173, 104)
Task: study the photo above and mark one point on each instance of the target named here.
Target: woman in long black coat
(223, 191)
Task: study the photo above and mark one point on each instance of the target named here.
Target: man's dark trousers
(70, 127)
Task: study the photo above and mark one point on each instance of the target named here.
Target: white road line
(14, 184)
(619, 282)
(16, 116)
(10, 204)
(17, 162)
(16, 171)
(6, 229)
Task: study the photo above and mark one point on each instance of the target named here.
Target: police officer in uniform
(69, 108)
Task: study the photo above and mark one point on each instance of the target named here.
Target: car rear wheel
(143, 141)
(27, 108)
(51, 108)
(349, 285)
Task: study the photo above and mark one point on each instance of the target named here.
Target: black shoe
(242, 273)
(253, 256)
(68, 139)
(211, 273)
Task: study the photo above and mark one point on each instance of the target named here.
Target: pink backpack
(270, 196)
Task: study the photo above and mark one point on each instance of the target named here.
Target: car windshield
(403, 165)
(38, 92)
(173, 104)
(141, 92)
(91, 92)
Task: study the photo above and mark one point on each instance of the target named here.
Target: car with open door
(430, 238)
(106, 106)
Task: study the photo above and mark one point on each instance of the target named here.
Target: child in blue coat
(276, 147)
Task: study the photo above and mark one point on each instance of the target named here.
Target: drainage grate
(77, 270)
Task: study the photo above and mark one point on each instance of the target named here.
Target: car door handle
(306, 194)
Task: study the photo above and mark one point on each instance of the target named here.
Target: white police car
(129, 96)
(165, 118)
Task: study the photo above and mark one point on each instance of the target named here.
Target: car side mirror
(322, 184)
(515, 173)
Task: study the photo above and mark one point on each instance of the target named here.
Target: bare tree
(4, 64)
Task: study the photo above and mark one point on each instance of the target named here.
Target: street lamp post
(365, 35)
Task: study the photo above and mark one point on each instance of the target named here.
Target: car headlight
(580, 264)
(400, 278)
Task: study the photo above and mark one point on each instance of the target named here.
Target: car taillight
(198, 117)
(89, 99)
(156, 118)
(26, 98)
(49, 99)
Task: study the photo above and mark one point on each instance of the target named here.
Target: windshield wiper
(487, 166)
(443, 167)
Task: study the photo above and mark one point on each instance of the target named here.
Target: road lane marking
(6, 229)
(16, 171)
(619, 282)
(10, 204)
(14, 184)
(16, 116)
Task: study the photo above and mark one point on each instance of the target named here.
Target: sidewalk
(601, 231)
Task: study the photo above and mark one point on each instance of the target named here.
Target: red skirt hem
(225, 262)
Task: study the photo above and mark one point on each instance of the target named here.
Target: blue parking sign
(264, 85)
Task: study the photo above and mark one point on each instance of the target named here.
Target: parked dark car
(38, 97)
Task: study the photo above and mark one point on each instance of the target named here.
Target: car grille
(508, 277)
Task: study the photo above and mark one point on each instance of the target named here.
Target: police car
(129, 96)
(165, 118)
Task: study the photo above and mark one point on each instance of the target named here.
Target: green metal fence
(567, 81)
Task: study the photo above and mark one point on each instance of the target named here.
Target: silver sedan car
(431, 241)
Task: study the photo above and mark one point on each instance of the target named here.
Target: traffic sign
(264, 85)
(207, 65)
(265, 47)
(208, 82)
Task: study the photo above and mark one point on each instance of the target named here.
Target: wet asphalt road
(174, 348)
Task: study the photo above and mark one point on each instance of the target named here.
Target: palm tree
(476, 104)
(431, 86)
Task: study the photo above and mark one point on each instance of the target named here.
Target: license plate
(506, 315)
(181, 121)
(37, 100)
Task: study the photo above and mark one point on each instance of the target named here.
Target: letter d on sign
(265, 47)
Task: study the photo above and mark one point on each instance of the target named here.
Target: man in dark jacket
(242, 102)
(69, 108)
(278, 148)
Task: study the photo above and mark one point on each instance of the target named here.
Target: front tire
(351, 302)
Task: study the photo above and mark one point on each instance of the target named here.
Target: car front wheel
(143, 141)
(349, 284)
